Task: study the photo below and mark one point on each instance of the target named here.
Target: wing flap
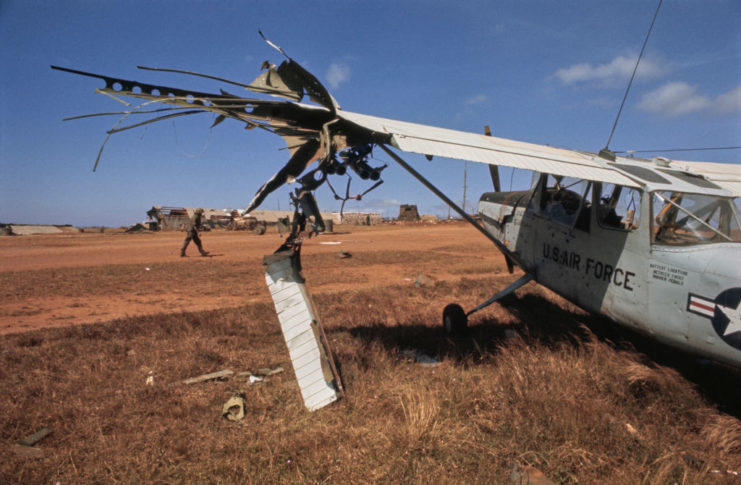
(441, 142)
(725, 175)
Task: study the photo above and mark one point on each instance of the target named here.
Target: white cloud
(478, 99)
(729, 103)
(337, 74)
(381, 204)
(678, 98)
(616, 71)
(674, 99)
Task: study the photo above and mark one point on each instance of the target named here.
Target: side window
(619, 207)
(567, 201)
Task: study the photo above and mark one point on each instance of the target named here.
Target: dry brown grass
(568, 394)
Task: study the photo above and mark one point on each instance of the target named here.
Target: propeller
(493, 169)
(494, 172)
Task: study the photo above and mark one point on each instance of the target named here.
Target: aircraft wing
(725, 175)
(441, 142)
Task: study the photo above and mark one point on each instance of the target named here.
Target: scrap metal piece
(36, 437)
(292, 75)
(311, 357)
(222, 374)
(28, 452)
(308, 152)
(272, 83)
(527, 475)
(233, 409)
(311, 132)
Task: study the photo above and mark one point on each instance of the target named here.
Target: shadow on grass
(544, 323)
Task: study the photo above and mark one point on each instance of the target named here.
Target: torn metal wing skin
(300, 125)
(302, 157)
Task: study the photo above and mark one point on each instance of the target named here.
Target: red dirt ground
(54, 280)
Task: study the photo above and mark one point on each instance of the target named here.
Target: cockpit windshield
(682, 219)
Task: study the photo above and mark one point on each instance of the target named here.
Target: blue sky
(539, 71)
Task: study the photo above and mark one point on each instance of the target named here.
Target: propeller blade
(493, 169)
(494, 172)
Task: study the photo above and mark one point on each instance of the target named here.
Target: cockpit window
(686, 219)
(567, 201)
(619, 207)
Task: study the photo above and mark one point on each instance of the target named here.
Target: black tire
(455, 321)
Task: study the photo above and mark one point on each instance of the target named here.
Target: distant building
(360, 218)
(175, 218)
(163, 218)
(28, 229)
(408, 212)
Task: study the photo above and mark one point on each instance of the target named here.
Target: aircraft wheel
(455, 321)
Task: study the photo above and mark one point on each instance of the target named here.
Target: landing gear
(455, 320)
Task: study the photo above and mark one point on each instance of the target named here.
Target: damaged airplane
(652, 244)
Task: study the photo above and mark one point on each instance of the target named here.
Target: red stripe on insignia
(702, 305)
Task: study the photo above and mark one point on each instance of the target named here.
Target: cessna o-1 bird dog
(654, 245)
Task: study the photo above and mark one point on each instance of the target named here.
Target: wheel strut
(455, 319)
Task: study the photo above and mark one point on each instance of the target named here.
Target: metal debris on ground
(233, 409)
(419, 357)
(345, 254)
(313, 364)
(260, 375)
(222, 374)
(423, 280)
(510, 334)
(266, 372)
(528, 475)
(249, 376)
(25, 447)
(36, 437)
(692, 460)
(27, 451)
(728, 472)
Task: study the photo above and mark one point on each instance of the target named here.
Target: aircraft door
(620, 245)
(560, 212)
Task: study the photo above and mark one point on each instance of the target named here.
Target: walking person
(193, 226)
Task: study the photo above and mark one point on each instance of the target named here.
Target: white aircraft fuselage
(611, 252)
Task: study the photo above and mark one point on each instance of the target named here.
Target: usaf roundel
(724, 312)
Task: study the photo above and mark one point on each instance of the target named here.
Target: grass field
(536, 381)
